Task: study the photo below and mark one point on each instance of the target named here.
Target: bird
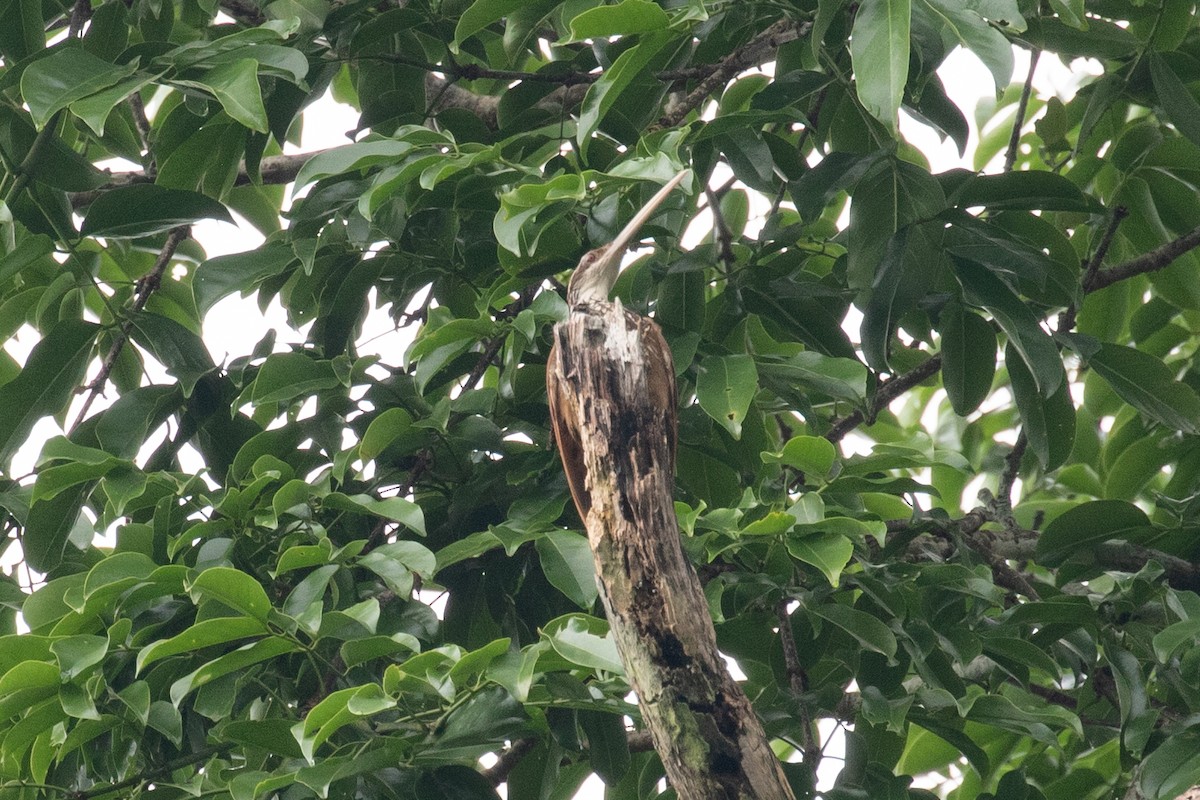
(646, 353)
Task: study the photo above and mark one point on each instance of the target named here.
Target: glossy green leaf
(145, 209)
(725, 388)
(1048, 423)
(605, 92)
(575, 640)
(965, 24)
(222, 276)
(286, 376)
(968, 357)
(1087, 525)
(869, 631)
(1172, 769)
(51, 374)
(1017, 320)
(203, 634)
(69, 74)
(235, 85)
(827, 551)
(1180, 105)
(813, 455)
(233, 588)
(626, 18)
(1147, 384)
(567, 562)
(879, 47)
(397, 509)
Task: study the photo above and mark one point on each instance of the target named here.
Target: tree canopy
(937, 467)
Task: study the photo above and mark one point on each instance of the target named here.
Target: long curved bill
(616, 249)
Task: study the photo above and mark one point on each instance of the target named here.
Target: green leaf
(95, 108)
(1169, 639)
(396, 562)
(1175, 100)
(220, 277)
(1080, 529)
(203, 634)
(24, 32)
(70, 73)
(76, 653)
(812, 455)
(879, 46)
(1020, 190)
(235, 86)
(574, 639)
(1048, 423)
(130, 212)
(868, 630)
(968, 357)
(567, 562)
(286, 376)
(1172, 769)
(1149, 385)
(604, 93)
(827, 551)
(1017, 320)
(52, 372)
(233, 588)
(397, 509)
(479, 15)
(383, 430)
(608, 744)
(245, 656)
(1070, 11)
(969, 28)
(725, 387)
(624, 19)
(337, 710)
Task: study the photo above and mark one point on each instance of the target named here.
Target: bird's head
(593, 279)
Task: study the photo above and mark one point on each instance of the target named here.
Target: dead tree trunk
(702, 724)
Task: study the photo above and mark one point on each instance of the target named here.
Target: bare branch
(799, 683)
(748, 55)
(887, 392)
(1148, 262)
(1014, 141)
(146, 287)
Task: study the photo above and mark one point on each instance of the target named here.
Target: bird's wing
(660, 371)
(564, 420)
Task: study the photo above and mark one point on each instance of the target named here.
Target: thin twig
(798, 680)
(146, 287)
(1012, 468)
(142, 123)
(1014, 141)
(721, 231)
(149, 775)
(1066, 320)
(887, 392)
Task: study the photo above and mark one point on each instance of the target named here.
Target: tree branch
(146, 287)
(798, 680)
(146, 777)
(1148, 262)
(1014, 141)
(746, 56)
(887, 392)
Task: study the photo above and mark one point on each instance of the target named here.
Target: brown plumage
(644, 345)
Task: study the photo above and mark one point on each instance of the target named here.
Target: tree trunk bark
(704, 729)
